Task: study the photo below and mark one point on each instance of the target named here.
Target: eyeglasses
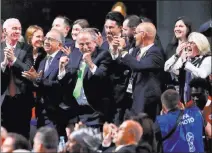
(51, 39)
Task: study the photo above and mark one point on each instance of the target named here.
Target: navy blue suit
(146, 80)
(49, 95)
(97, 87)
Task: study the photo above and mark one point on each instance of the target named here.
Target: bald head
(135, 129)
(149, 28)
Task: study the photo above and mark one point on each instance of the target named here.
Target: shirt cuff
(61, 74)
(93, 70)
(3, 67)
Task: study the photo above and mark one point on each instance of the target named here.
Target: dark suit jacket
(49, 93)
(119, 75)
(97, 87)
(127, 149)
(24, 61)
(41, 56)
(146, 74)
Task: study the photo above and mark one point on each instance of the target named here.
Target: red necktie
(12, 87)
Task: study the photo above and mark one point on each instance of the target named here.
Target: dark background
(43, 12)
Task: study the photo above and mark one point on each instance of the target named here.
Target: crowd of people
(111, 91)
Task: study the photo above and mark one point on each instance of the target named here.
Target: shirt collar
(53, 55)
(147, 47)
(9, 46)
(121, 146)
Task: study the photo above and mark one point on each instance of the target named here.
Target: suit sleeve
(26, 63)
(102, 69)
(153, 60)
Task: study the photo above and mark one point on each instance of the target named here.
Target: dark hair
(188, 24)
(20, 142)
(170, 98)
(82, 22)
(115, 16)
(67, 21)
(133, 21)
(145, 19)
(48, 137)
(199, 82)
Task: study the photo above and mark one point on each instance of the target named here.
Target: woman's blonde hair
(30, 31)
(123, 8)
(201, 42)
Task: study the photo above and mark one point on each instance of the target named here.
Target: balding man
(16, 93)
(87, 81)
(146, 62)
(49, 93)
(127, 137)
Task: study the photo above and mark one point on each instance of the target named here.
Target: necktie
(12, 87)
(79, 84)
(48, 62)
(138, 55)
(187, 92)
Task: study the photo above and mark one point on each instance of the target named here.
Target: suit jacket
(24, 61)
(119, 75)
(41, 56)
(97, 87)
(127, 149)
(49, 93)
(146, 76)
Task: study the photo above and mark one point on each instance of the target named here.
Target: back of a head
(135, 128)
(20, 142)
(170, 99)
(115, 16)
(133, 21)
(48, 137)
(87, 138)
(150, 29)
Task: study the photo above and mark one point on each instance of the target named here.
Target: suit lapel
(17, 50)
(3, 45)
(53, 65)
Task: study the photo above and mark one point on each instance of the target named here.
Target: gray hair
(91, 31)
(48, 137)
(61, 37)
(88, 137)
(8, 22)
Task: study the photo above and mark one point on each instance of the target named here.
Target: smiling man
(85, 77)
(16, 93)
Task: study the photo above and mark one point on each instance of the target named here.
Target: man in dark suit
(86, 73)
(16, 92)
(49, 91)
(127, 137)
(120, 73)
(147, 65)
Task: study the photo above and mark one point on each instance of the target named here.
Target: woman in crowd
(193, 60)
(34, 37)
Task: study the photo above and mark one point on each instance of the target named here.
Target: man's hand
(66, 50)
(32, 74)
(99, 39)
(63, 62)
(87, 58)
(5, 62)
(9, 52)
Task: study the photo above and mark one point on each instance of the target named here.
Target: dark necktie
(187, 91)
